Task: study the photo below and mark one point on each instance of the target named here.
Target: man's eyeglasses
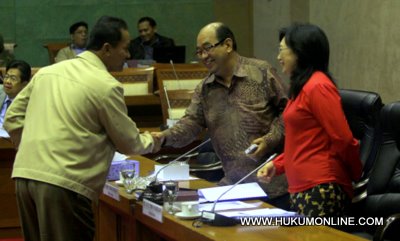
(206, 49)
(13, 78)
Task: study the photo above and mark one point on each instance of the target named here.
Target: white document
(119, 156)
(3, 133)
(178, 179)
(176, 171)
(229, 205)
(241, 191)
(163, 179)
(263, 212)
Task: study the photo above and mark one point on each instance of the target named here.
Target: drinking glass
(127, 170)
(170, 193)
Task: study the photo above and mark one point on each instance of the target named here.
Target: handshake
(158, 139)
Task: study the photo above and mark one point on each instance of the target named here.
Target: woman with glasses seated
(321, 157)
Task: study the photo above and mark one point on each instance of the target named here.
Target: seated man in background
(79, 37)
(142, 46)
(5, 56)
(18, 74)
(240, 102)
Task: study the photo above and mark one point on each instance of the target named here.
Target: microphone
(173, 69)
(170, 121)
(154, 189)
(215, 219)
(166, 97)
(180, 157)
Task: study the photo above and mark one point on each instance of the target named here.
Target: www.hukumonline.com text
(310, 221)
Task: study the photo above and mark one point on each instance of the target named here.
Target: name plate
(111, 191)
(152, 210)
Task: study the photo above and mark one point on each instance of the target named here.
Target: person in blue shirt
(79, 37)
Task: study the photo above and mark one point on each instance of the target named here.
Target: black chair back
(383, 188)
(362, 112)
(388, 158)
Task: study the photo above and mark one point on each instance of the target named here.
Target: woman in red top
(321, 157)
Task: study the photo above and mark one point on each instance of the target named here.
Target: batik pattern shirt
(248, 109)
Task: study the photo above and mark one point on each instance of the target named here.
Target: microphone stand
(215, 219)
(180, 157)
(173, 69)
(154, 189)
(166, 93)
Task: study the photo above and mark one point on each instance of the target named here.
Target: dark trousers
(52, 213)
(282, 202)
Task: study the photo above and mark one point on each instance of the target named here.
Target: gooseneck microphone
(215, 219)
(167, 98)
(173, 69)
(166, 93)
(180, 157)
(153, 191)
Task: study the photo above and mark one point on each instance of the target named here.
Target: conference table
(9, 221)
(123, 220)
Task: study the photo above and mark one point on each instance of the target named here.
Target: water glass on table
(128, 172)
(170, 193)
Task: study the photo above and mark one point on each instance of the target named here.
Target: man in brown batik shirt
(240, 102)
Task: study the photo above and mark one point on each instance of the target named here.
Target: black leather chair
(207, 164)
(362, 112)
(383, 188)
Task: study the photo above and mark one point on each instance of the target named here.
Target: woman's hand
(266, 172)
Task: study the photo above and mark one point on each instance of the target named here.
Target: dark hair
(23, 67)
(151, 21)
(310, 44)
(75, 26)
(106, 30)
(223, 32)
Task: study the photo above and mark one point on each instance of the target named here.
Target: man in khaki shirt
(67, 123)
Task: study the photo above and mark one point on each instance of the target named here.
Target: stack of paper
(263, 212)
(3, 133)
(241, 191)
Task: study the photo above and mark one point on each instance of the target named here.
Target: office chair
(383, 189)
(178, 83)
(136, 81)
(53, 48)
(203, 163)
(362, 113)
(176, 88)
(207, 164)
